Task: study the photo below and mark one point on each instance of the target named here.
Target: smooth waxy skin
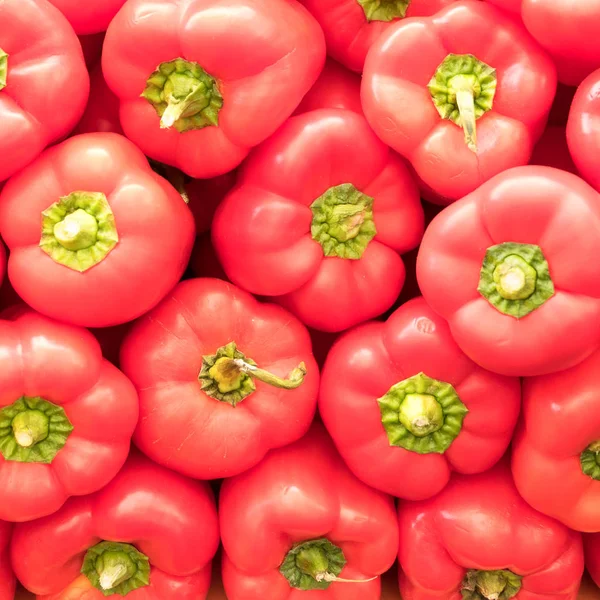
(262, 230)
(7, 578)
(183, 428)
(481, 522)
(591, 544)
(155, 228)
(348, 32)
(560, 420)
(583, 129)
(262, 71)
(47, 83)
(64, 365)
(167, 517)
(399, 106)
(364, 364)
(557, 211)
(298, 493)
(91, 16)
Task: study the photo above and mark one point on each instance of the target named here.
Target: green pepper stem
(466, 107)
(333, 579)
(294, 380)
(111, 577)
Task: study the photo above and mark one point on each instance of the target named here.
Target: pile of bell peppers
(299, 299)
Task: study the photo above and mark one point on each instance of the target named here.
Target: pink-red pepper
(7, 578)
(591, 544)
(199, 96)
(222, 379)
(469, 67)
(66, 415)
(299, 524)
(96, 237)
(507, 266)
(318, 218)
(44, 83)
(480, 540)
(150, 534)
(406, 407)
(89, 16)
(583, 129)
(556, 452)
(352, 26)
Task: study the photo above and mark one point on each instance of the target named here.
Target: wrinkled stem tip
(24, 439)
(330, 578)
(109, 577)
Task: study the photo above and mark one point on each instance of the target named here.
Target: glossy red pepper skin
(47, 84)
(401, 111)
(262, 72)
(297, 493)
(367, 361)
(7, 578)
(64, 365)
(552, 150)
(155, 227)
(583, 129)
(591, 544)
(102, 110)
(480, 522)
(92, 16)
(350, 35)
(336, 87)
(549, 203)
(169, 518)
(560, 420)
(163, 356)
(262, 230)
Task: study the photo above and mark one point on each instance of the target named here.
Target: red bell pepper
(66, 415)
(7, 579)
(96, 237)
(199, 97)
(352, 26)
(222, 379)
(507, 268)
(424, 408)
(511, 6)
(90, 16)
(583, 129)
(556, 456)
(552, 150)
(318, 218)
(102, 110)
(468, 67)
(480, 540)
(591, 544)
(44, 83)
(299, 523)
(150, 534)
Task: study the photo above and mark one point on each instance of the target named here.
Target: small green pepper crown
(33, 430)
(343, 221)
(3, 68)
(515, 278)
(422, 414)
(462, 90)
(228, 375)
(490, 585)
(590, 461)
(384, 10)
(115, 568)
(184, 96)
(79, 230)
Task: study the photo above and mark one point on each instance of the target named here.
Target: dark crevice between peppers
(184, 96)
(515, 278)
(490, 585)
(343, 221)
(228, 375)
(463, 90)
(116, 568)
(384, 10)
(422, 414)
(590, 461)
(178, 179)
(33, 430)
